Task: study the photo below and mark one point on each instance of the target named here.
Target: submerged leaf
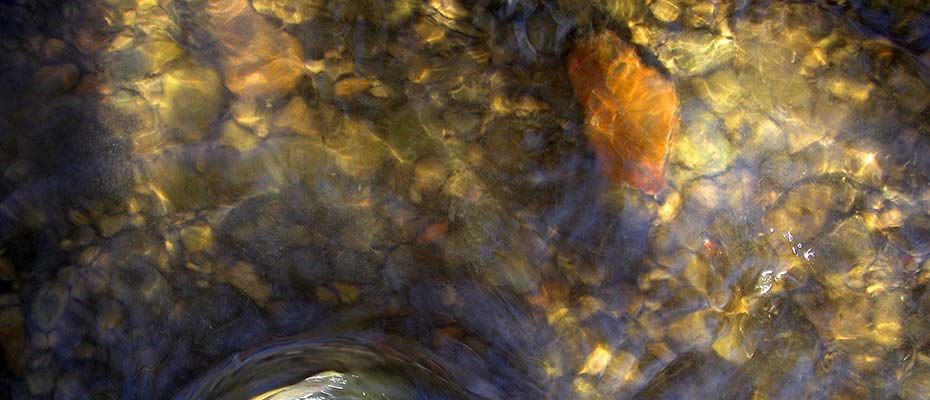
(631, 110)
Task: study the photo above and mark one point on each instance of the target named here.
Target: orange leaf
(631, 110)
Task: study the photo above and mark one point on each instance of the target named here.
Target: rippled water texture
(489, 199)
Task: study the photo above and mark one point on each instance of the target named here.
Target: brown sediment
(631, 110)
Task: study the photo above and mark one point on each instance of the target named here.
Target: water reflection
(184, 181)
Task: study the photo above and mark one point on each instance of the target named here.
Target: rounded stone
(306, 268)
(191, 100)
(49, 305)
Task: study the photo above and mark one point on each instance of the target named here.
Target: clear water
(223, 199)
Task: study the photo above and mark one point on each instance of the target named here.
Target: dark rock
(49, 305)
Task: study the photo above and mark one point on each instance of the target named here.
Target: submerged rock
(258, 60)
(631, 110)
(290, 12)
(191, 100)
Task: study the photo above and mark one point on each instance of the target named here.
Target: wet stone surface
(183, 181)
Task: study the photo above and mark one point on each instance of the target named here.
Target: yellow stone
(670, 207)
(332, 65)
(850, 89)
(864, 362)
(731, 346)
(521, 106)
(112, 224)
(705, 194)
(350, 86)
(191, 100)
(597, 361)
(121, 41)
(243, 276)
(721, 89)
(588, 305)
(622, 10)
(401, 10)
(291, 12)
(78, 217)
(811, 62)
(379, 90)
(429, 174)
(552, 362)
(297, 117)
(248, 113)
(623, 371)
(660, 351)
(584, 389)
(702, 14)
(642, 34)
(162, 51)
(665, 10)
(887, 311)
(132, 56)
(258, 59)
(700, 275)
(452, 9)
(466, 185)
(238, 137)
(692, 329)
(428, 31)
(348, 293)
(916, 382)
(327, 296)
(315, 66)
(197, 238)
(356, 149)
(559, 316)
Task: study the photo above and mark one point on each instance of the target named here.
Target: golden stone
(350, 86)
(243, 276)
(190, 101)
(429, 175)
(695, 329)
(665, 10)
(622, 371)
(621, 10)
(258, 59)
(290, 12)
(452, 9)
(849, 89)
(596, 361)
(429, 32)
(248, 113)
(357, 150)
(702, 14)
(112, 224)
(196, 238)
(348, 293)
(238, 137)
(297, 117)
(887, 318)
(731, 345)
(584, 389)
(521, 106)
(327, 296)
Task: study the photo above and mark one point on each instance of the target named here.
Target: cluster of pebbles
(187, 179)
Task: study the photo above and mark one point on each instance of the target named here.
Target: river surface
(397, 199)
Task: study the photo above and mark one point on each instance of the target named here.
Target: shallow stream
(269, 199)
